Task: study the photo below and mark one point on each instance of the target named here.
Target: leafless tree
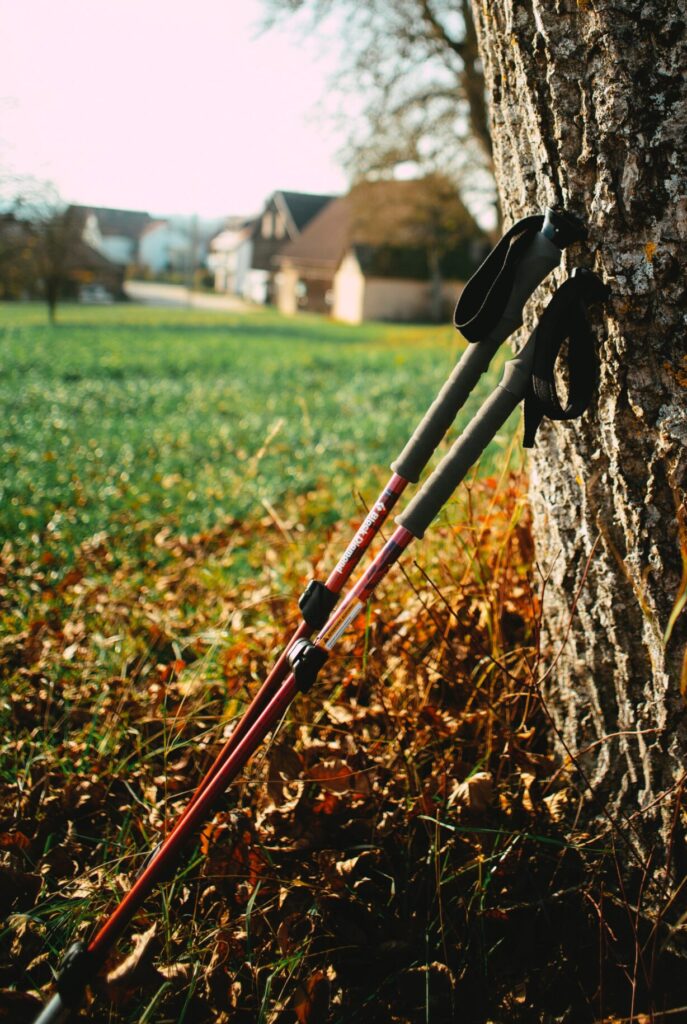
(416, 63)
(40, 240)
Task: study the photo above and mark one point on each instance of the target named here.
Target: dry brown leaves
(399, 851)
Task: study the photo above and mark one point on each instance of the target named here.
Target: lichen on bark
(589, 110)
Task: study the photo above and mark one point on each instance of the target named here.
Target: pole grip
(467, 448)
(537, 261)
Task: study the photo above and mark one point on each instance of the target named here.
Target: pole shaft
(336, 581)
(118, 920)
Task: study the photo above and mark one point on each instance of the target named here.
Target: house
(283, 218)
(230, 255)
(113, 233)
(380, 253)
(153, 245)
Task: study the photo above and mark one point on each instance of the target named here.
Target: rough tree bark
(588, 110)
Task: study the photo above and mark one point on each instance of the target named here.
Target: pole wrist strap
(484, 297)
(565, 318)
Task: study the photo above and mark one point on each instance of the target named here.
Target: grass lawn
(125, 417)
(406, 847)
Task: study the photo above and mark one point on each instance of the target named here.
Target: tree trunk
(588, 110)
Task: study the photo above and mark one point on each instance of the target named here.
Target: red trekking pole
(488, 312)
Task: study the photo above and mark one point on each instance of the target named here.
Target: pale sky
(163, 105)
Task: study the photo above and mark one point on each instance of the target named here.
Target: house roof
(82, 256)
(234, 229)
(378, 221)
(325, 240)
(127, 223)
(300, 207)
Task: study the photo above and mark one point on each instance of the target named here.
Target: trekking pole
(489, 310)
(529, 376)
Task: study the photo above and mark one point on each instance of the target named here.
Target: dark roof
(325, 240)
(82, 257)
(302, 206)
(298, 209)
(128, 223)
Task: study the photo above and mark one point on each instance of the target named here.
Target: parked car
(95, 295)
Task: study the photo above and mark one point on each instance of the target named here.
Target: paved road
(150, 293)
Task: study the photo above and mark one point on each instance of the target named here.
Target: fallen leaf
(556, 804)
(14, 840)
(311, 1000)
(476, 793)
(335, 776)
(136, 969)
(18, 1007)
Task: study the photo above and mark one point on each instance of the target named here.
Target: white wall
(286, 282)
(255, 283)
(401, 300)
(349, 290)
(358, 298)
(243, 257)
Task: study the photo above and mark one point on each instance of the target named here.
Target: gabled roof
(297, 209)
(325, 240)
(82, 256)
(126, 223)
(300, 207)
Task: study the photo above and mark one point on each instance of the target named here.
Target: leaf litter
(405, 849)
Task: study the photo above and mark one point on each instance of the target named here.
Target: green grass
(122, 418)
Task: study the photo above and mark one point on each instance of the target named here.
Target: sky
(163, 105)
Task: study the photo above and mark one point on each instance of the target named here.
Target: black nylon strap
(564, 318)
(484, 297)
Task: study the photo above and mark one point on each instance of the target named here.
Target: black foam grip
(464, 452)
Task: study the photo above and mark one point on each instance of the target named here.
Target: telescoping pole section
(297, 667)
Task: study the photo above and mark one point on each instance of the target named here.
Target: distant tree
(417, 64)
(40, 241)
(58, 237)
(16, 257)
